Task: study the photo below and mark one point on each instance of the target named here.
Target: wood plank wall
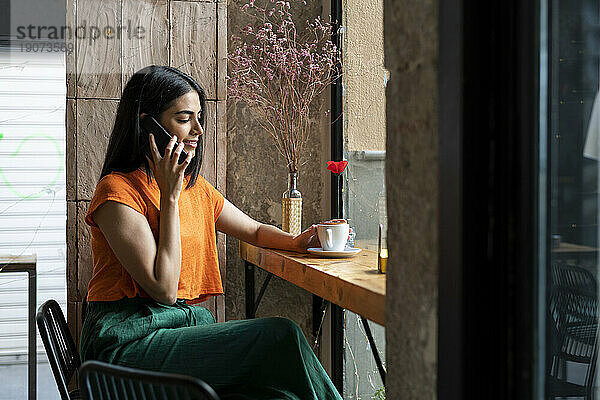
(189, 35)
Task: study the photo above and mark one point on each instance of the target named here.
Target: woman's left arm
(236, 223)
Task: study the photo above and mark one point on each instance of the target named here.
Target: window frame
(489, 134)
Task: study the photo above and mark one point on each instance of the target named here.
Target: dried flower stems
(279, 73)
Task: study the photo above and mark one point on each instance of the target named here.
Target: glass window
(571, 153)
(364, 187)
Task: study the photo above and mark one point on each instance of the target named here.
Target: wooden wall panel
(71, 151)
(95, 119)
(150, 46)
(221, 146)
(222, 254)
(70, 56)
(208, 170)
(221, 50)
(71, 251)
(98, 60)
(194, 42)
(74, 322)
(85, 264)
(221, 168)
(71, 316)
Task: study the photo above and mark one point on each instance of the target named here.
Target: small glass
(351, 237)
(382, 251)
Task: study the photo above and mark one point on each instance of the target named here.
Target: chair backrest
(574, 312)
(99, 380)
(60, 347)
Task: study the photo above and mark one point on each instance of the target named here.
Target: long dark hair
(151, 90)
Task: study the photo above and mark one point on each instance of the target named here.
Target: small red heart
(337, 167)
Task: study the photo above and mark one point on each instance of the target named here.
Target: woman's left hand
(307, 239)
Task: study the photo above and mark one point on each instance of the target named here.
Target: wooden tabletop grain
(352, 283)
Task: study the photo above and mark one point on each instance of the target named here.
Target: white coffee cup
(333, 235)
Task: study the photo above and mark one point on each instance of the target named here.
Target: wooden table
(26, 263)
(351, 283)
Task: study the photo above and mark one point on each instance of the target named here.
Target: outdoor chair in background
(60, 347)
(99, 380)
(573, 303)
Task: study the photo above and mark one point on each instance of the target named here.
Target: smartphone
(161, 136)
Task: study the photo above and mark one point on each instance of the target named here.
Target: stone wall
(411, 56)
(256, 179)
(189, 35)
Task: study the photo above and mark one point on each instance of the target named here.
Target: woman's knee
(283, 328)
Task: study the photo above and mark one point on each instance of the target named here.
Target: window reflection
(572, 274)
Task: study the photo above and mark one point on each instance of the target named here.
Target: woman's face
(182, 119)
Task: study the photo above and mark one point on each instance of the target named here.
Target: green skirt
(266, 358)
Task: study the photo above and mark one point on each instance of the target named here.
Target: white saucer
(347, 252)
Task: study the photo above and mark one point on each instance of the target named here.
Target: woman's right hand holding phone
(166, 170)
(155, 265)
(163, 276)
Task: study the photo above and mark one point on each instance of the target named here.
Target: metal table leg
(382, 372)
(32, 356)
(249, 289)
(337, 347)
(251, 303)
(261, 293)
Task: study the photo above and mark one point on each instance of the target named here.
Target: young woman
(153, 225)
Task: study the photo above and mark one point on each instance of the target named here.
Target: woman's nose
(198, 130)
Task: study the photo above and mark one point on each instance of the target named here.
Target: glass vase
(291, 203)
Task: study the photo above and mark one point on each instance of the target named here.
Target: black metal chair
(99, 380)
(60, 347)
(573, 309)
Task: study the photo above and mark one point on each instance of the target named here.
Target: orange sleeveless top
(199, 208)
